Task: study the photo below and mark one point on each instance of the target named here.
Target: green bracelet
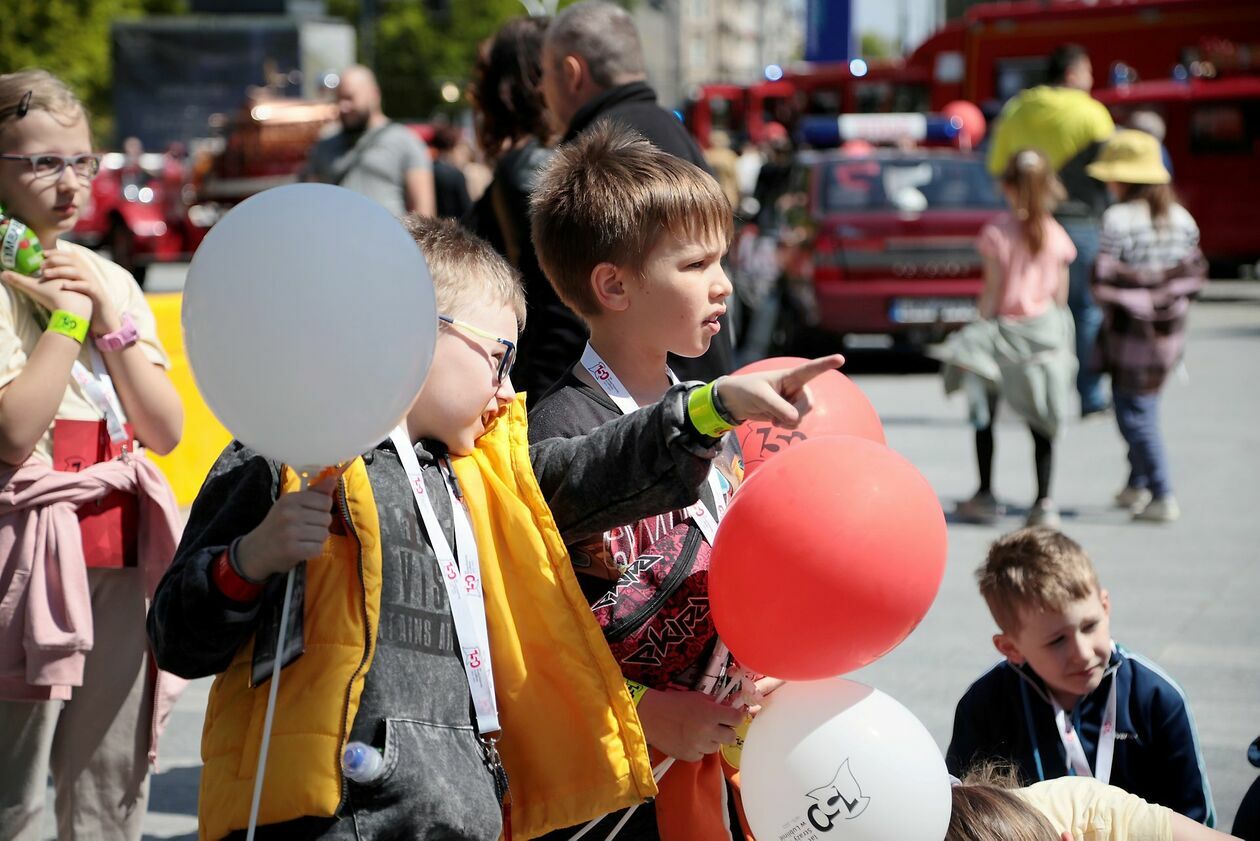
(704, 415)
(68, 324)
(636, 690)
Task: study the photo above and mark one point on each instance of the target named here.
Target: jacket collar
(619, 95)
(1034, 681)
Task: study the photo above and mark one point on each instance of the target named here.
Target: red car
(884, 241)
(137, 210)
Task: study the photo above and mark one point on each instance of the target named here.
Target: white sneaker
(1162, 510)
(1134, 499)
(1044, 513)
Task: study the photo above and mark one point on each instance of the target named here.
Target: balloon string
(271, 704)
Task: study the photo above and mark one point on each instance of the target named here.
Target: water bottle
(362, 763)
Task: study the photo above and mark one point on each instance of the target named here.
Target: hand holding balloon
(687, 725)
(293, 531)
(779, 396)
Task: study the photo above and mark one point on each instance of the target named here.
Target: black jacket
(1006, 715)
(554, 336)
(634, 105)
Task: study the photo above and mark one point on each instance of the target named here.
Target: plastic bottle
(20, 250)
(362, 763)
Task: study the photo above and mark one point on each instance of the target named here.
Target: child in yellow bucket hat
(1148, 265)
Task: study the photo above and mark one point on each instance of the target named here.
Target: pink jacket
(46, 607)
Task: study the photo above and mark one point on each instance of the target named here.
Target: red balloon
(827, 560)
(839, 408)
(973, 123)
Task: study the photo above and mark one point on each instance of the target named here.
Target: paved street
(1185, 595)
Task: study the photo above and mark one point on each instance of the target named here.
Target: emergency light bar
(879, 128)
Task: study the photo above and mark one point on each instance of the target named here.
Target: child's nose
(506, 392)
(722, 288)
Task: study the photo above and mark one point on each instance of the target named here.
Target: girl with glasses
(87, 523)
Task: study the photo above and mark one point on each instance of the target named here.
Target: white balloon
(309, 322)
(835, 760)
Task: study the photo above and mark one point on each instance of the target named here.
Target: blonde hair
(466, 270)
(1038, 192)
(984, 808)
(1035, 568)
(37, 90)
(607, 197)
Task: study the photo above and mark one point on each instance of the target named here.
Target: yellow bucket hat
(1130, 157)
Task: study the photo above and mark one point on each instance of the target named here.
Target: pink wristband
(124, 337)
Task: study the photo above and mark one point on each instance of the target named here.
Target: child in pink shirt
(1018, 351)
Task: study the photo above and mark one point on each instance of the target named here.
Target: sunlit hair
(36, 90)
(1034, 569)
(505, 93)
(1037, 192)
(466, 270)
(607, 197)
(984, 808)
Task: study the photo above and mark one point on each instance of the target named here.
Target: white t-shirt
(1094, 811)
(1129, 235)
(20, 330)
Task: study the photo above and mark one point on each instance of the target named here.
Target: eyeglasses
(51, 166)
(509, 357)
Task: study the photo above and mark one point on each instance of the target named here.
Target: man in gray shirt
(372, 155)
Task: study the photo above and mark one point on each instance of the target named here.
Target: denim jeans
(1138, 418)
(1085, 311)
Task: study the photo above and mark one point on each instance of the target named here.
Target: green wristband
(704, 415)
(68, 324)
(636, 690)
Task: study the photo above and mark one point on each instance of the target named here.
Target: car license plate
(932, 310)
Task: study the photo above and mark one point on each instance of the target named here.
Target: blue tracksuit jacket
(1007, 715)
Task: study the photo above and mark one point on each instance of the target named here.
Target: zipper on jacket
(619, 630)
(367, 643)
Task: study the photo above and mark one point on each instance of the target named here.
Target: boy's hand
(293, 531)
(776, 396)
(753, 695)
(687, 725)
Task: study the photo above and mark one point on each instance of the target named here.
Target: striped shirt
(1129, 235)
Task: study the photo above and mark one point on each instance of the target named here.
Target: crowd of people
(587, 276)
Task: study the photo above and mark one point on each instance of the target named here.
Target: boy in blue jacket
(1068, 700)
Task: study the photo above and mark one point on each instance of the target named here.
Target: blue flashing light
(774, 72)
(679, 115)
(858, 67)
(823, 131)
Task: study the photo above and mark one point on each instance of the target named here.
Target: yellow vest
(571, 741)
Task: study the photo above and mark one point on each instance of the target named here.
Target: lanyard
(603, 374)
(1077, 762)
(99, 388)
(462, 578)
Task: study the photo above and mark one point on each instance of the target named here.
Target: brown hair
(465, 269)
(506, 92)
(984, 808)
(607, 197)
(1036, 568)
(37, 90)
(1037, 193)
(1158, 197)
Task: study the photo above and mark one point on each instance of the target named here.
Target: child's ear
(1007, 648)
(608, 284)
(1105, 598)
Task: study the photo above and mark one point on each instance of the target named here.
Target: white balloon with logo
(836, 760)
(309, 322)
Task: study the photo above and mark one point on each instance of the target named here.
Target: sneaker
(1162, 510)
(1134, 499)
(1044, 513)
(981, 508)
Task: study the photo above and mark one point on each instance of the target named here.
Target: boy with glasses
(440, 623)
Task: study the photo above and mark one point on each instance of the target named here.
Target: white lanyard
(1106, 738)
(462, 579)
(99, 388)
(603, 374)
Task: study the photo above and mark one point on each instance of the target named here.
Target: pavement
(1184, 595)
